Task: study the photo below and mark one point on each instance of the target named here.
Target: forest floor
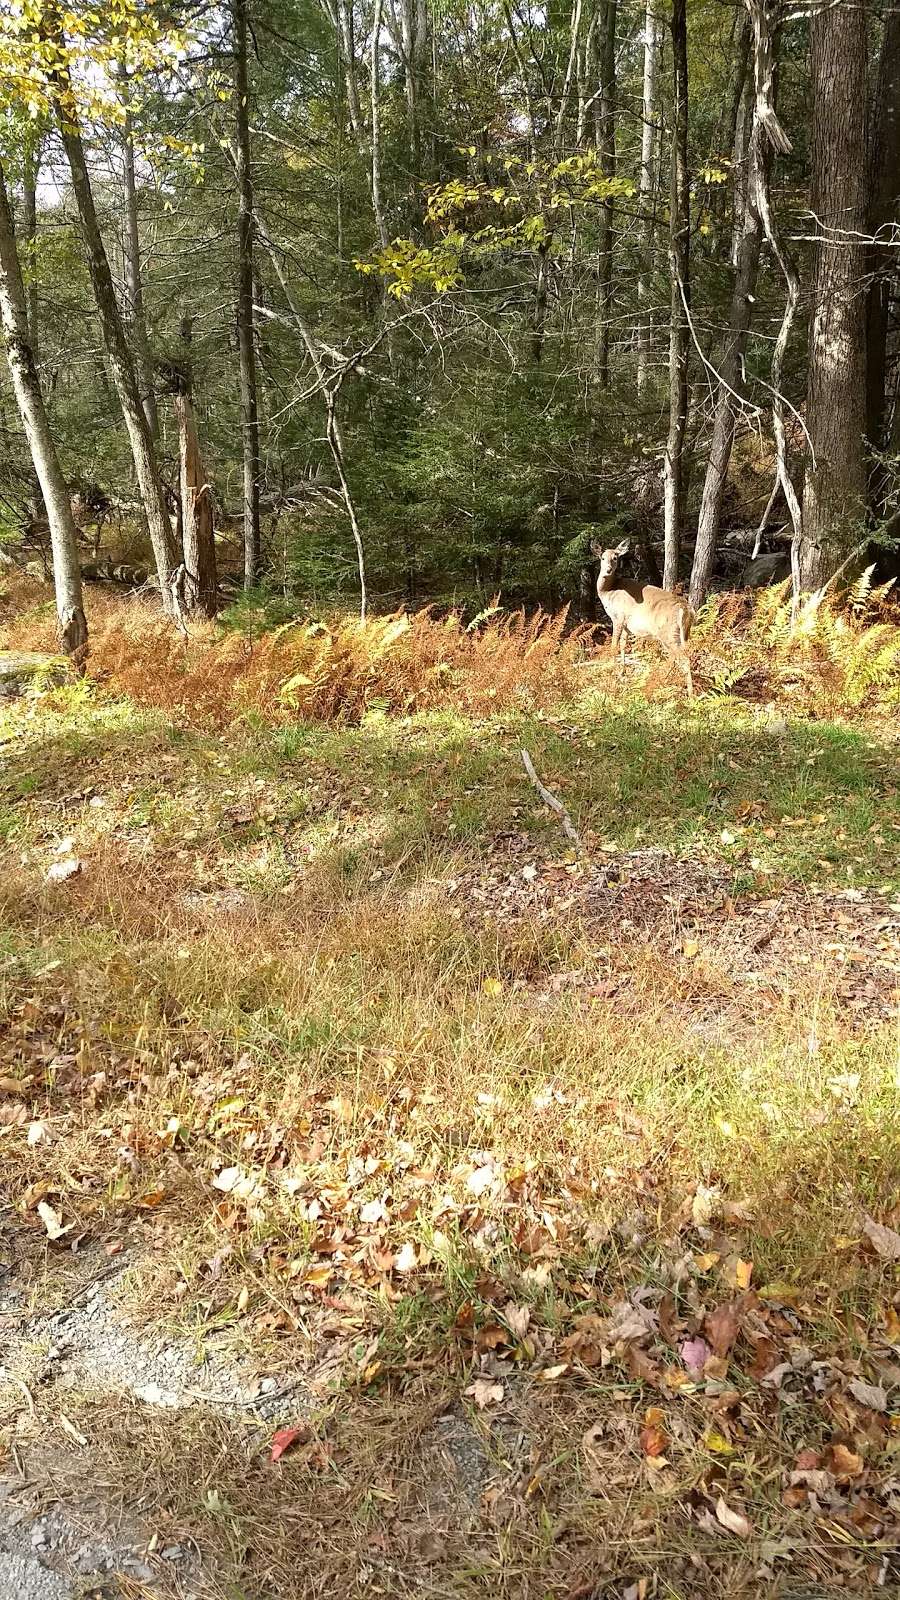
(395, 1203)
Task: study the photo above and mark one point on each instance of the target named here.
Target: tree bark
(884, 202)
(120, 361)
(200, 587)
(32, 167)
(72, 626)
(245, 318)
(749, 152)
(606, 144)
(835, 489)
(679, 267)
(134, 291)
(646, 191)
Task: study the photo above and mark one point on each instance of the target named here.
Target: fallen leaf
(407, 1258)
(869, 1394)
(844, 1464)
(641, 1365)
(69, 867)
(517, 1319)
(704, 1205)
(52, 1221)
(721, 1326)
(709, 1259)
(227, 1179)
(485, 1392)
(628, 1322)
(743, 1272)
(732, 1520)
(653, 1437)
(14, 1085)
(37, 1131)
(284, 1439)
(885, 1240)
(550, 1374)
(717, 1443)
(690, 949)
(695, 1353)
(492, 986)
(479, 1180)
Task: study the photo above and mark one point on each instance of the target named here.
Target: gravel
(23, 1578)
(90, 1342)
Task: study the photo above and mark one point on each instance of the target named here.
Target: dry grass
(297, 1024)
(841, 657)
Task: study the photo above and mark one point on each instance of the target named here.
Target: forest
(449, 804)
(418, 304)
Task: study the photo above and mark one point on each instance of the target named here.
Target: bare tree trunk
(120, 362)
(767, 117)
(245, 320)
(679, 266)
(200, 588)
(884, 193)
(606, 141)
(32, 167)
(26, 385)
(134, 292)
(749, 151)
(374, 84)
(647, 185)
(835, 489)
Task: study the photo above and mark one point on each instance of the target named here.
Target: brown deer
(644, 611)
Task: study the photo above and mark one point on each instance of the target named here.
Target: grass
(330, 1005)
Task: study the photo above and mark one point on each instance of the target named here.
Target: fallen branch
(554, 804)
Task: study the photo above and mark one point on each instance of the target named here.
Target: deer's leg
(623, 640)
(618, 634)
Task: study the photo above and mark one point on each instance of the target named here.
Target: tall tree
(884, 209)
(245, 319)
(72, 625)
(749, 152)
(834, 497)
(606, 145)
(118, 350)
(679, 268)
(199, 586)
(134, 289)
(647, 187)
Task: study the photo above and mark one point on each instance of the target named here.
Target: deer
(644, 611)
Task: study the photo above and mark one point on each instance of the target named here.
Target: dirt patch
(687, 912)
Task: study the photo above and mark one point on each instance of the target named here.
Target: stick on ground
(554, 804)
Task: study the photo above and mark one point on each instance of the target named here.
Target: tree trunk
(884, 201)
(245, 319)
(679, 266)
(200, 587)
(120, 362)
(606, 142)
(749, 150)
(134, 292)
(834, 496)
(26, 385)
(32, 167)
(647, 184)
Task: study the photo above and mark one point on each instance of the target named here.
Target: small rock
(172, 1552)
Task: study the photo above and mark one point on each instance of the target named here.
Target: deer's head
(609, 559)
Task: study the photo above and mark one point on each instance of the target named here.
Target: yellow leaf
(718, 1444)
(705, 1262)
(690, 949)
(492, 986)
(743, 1272)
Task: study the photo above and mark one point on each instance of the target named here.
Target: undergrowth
(837, 656)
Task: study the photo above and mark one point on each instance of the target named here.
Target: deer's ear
(622, 549)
